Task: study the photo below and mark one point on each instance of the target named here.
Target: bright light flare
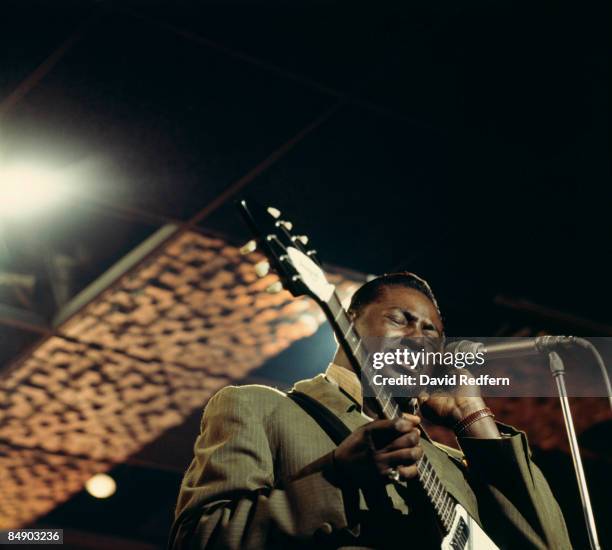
(101, 486)
(26, 189)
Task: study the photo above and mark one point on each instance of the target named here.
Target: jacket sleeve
(517, 492)
(229, 497)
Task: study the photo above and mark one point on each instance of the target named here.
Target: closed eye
(397, 319)
(404, 317)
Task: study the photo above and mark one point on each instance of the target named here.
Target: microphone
(514, 348)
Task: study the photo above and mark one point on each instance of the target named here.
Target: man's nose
(414, 340)
(414, 330)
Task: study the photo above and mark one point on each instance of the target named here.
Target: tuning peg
(302, 238)
(287, 225)
(262, 268)
(249, 247)
(274, 212)
(275, 288)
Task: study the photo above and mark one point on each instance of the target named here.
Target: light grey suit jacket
(262, 477)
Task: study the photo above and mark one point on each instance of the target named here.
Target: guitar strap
(327, 420)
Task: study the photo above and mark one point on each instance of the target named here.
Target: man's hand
(372, 450)
(446, 409)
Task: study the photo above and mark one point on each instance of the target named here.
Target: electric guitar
(299, 272)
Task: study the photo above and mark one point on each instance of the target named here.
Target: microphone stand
(558, 371)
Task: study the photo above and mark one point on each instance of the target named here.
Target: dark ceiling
(468, 142)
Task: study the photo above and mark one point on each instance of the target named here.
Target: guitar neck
(385, 403)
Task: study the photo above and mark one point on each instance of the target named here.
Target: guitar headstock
(288, 255)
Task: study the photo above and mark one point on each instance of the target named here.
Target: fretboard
(387, 405)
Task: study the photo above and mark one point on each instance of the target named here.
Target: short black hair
(370, 291)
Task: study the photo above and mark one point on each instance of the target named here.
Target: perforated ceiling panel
(134, 362)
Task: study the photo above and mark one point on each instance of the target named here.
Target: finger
(412, 418)
(399, 423)
(410, 439)
(423, 397)
(401, 457)
(406, 423)
(408, 472)
(380, 433)
(389, 429)
(380, 424)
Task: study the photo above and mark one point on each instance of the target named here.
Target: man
(266, 474)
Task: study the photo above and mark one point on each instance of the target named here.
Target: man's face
(401, 313)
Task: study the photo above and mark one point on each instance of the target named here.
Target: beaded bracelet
(463, 424)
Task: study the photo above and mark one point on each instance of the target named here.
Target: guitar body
(466, 534)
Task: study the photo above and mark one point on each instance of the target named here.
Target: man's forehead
(402, 296)
(409, 299)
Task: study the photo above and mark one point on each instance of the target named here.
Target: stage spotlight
(25, 189)
(101, 486)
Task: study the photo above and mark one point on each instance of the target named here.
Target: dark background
(465, 141)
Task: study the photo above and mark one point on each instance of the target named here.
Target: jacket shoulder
(251, 397)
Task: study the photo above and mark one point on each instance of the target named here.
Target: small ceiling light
(101, 486)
